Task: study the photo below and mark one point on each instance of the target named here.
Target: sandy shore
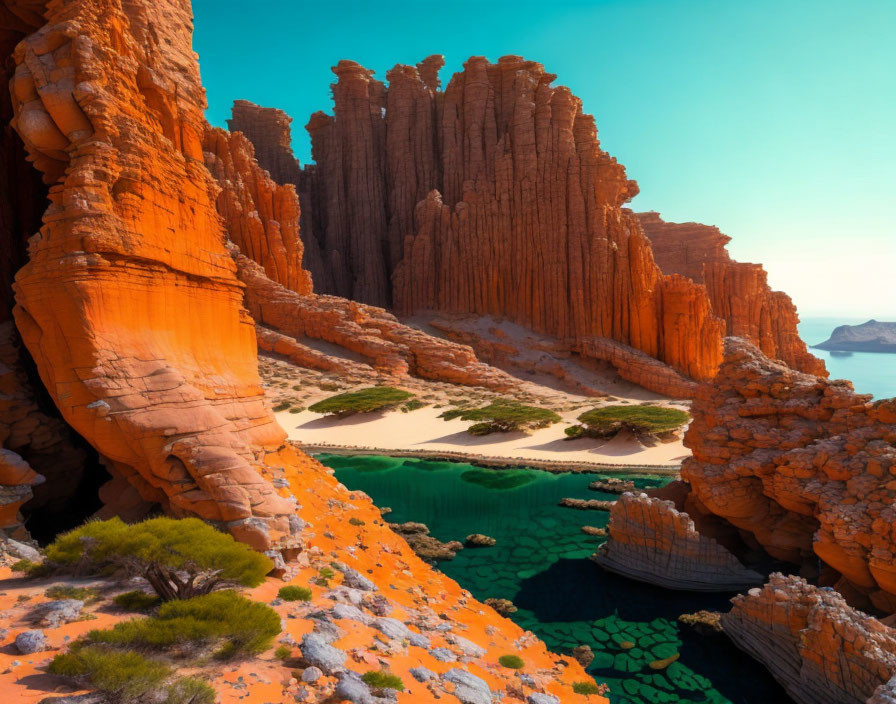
(423, 433)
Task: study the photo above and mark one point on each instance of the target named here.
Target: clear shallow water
(870, 372)
(541, 563)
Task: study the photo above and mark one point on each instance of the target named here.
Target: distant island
(872, 336)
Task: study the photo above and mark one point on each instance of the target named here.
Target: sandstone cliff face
(651, 541)
(739, 292)
(262, 221)
(129, 303)
(493, 198)
(803, 465)
(820, 649)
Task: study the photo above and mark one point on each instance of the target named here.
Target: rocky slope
(872, 336)
(801, 464)
(739, 291)
(132, 308)
(820, 649)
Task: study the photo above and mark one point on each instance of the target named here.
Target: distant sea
(870, 372)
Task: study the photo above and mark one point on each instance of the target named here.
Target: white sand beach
(423, 431)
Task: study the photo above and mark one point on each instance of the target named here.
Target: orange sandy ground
(373, 550)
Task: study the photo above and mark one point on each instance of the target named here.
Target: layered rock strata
(819, 648)
(651, 541)
(801, 465)
(739, 291)
(261, 218)
(129, 303)
(492, 197)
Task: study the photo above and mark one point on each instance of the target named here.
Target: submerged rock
(478, 540)
(587, 504)
(583, 655)
(426, 546)
(505, 607)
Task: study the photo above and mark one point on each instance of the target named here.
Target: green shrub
(22, 565)
(189, 690)
(293, 593)
(283, 652)
(136, 601)
(374, 398)
(326, 573)
(124, 675)
(412, 405)
(640, 420)
(163, 551)
(574, 431)
(585, 688)
(67, 591)
(282, 406)
(380, 679)
(503, 416)
(513, 662)
(239, 625)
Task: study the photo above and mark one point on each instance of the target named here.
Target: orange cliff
(494, 198)
(739, 291)
(261, 218)
(132, 309)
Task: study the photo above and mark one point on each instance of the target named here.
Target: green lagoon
(541, 563)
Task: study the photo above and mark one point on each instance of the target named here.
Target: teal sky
(775, 120)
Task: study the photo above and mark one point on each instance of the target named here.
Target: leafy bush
(374, 398)
(126, 676)
(380, 679)
(513, 662)
(282, 406)
(283, 652)
(68, 591)
(242, 626)
(412, 405)
(31, 569)
(180, 559)
(585, 688)
(293, 593)
(136, 601)
(22, 565)
(503, 416)
(189, 690)
(639, 420)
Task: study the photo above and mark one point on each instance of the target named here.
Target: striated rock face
(739, 292)
(493, 198)
(802, 465)
(262, 221)
(651, 541)
(261, 217)
(819, 648)
(129, 302)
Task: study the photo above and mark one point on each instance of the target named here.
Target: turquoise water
(541, 563)
(870, 373)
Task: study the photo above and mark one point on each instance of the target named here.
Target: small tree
(640, 420)
(375, 398)
(180, 558)
(503, 416)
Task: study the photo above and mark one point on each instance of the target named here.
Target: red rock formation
(651, 541)
(262, 220)
(492, 197)
(821, 650)
(739, 292)
(129, 303)
(802, 465)
(262, 217)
